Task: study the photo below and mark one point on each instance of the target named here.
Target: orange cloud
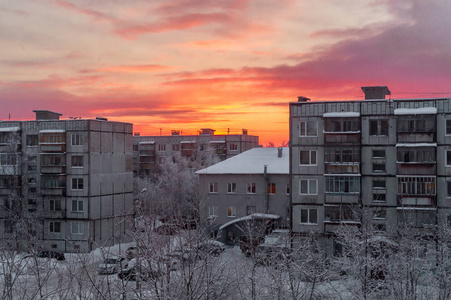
(130, 69)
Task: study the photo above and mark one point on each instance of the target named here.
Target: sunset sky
(192, 64)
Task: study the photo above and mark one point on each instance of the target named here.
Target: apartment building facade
(382, 161)
(71, 180)
(254, 185)
(150, 152)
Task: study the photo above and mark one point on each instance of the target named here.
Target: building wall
(278, 203)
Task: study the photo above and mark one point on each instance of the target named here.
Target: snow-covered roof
(249, 217)
(416, 111)
(252, 161)
(9, 129)
(347, 114)
(52, 131)
(187, 142)
(217, 142)
(415, 208)
(417, 145)
(147, 143)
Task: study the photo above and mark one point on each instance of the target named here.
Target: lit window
(307, 157)
(308, 187)
(231, 188)
(77, 183)
(233, 147)
(271, 188)
(231, 211)
(213, 187)
(251, 188)
(309, 216)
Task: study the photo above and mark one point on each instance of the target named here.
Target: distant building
(149, 152)
(71, 181)
(382, 161)
(253, 185)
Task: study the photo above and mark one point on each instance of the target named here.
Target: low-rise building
(149, 152)
(253, 185)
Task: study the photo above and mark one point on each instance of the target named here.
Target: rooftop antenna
(160, 130)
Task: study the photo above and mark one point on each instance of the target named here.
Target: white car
(112, 265)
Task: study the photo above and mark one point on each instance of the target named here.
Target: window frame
(309, 216)
(231, 188)
(212, 211)
(77, 161)
(231, 211)
(213, 188)
(309, 181)
(251, 188)
(77, 139)
(305, 129)
(77, 184)
(311, 157)
(78, 205)
(78, 226)
(53, 226)
(271, 188)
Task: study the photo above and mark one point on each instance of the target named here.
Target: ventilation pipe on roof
(303, 99)
(279, 152)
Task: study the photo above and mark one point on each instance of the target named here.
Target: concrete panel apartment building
(149, 152)
(388, 158)
(70, 181)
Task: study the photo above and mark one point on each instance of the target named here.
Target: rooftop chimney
(303, 99)
(244, 131)
(375, 92)
(175, 132)
(279, 152)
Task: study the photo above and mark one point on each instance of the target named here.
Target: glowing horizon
(192, 64)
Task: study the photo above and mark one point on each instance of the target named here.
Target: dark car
(51, 254)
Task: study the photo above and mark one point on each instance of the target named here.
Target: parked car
(51, 254)
(212, 247)
(112, 265)
(131, 252)
(140, 268)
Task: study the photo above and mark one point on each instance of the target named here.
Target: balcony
(417, 200)
(147, 152)
(58, 191)
(342, 168)
(53, 169)
(416, 137)
(52, 148)
(416, 168)
(342, 138)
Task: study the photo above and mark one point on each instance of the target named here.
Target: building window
(233, 147)
(251, 209)
(77, 161)
(448, 127)
(416, 124)
(77, 183)
(342, 184)
(77, 205)
(162, 160)
(251, 188)
(55, 227)
(32, 140)
(339, 213)
(135, 148)
(379, 153)
(308, 186)
(448, 158)
(309, 216)
(231, 188)
(411, 185)
(51, 160)
(161, 147)
(449, 188)
(213, 187)
(77, 228)
(271, 188)
(175, 147)
(213, 211)
(416, 155)
(377, 197)
(378, 184)
(341, 125)
(288, 189)
(8, 159)
(308, 128)
(307, 157)
(50, 182)
(342, 155)
(378, 167)
(231, 211)
(77, 139)
(379, 127)
(417, 218)
(380, 214)
(32, 180)
(55, 204)
(53, 138)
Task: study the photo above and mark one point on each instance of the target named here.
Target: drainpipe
(265, 176)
